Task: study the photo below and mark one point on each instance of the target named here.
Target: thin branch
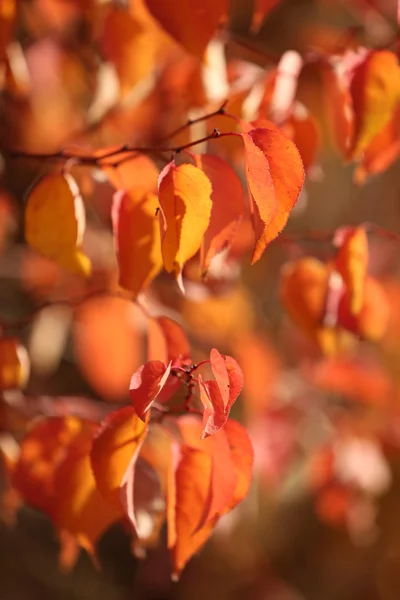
(97, 160)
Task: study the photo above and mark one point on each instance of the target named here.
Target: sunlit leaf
(185, 199)
(275, 176)
(352, 263)
(113, 456)
(81, 509)
(375, 91)
(55, 222)
(146, 384)
(137, 238)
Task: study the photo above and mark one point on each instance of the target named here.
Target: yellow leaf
(55, 222)
(185, 199)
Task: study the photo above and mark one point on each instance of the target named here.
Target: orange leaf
(41, 451)
(167, 341)
(146, 384)
(107, 344)
(372, 321)
(137, 238)
(375, 91)
(185, 199)
(81, 509)
(55, 222)
(131, 47)
(220, 372)
(227, 206)
(113, 456)
(138, 172)
(275, 176)
(193, 484)
(193, 23)
(14, 364)
(242, 455)
(352, 263)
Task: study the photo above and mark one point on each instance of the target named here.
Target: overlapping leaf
(146, 384)
(352, 263)
(227, 206)
(55, 222)
(113, 456)
(137, 238)
(375, 92)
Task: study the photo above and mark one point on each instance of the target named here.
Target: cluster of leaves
(173, 455)
(140, 469)
(333, 302)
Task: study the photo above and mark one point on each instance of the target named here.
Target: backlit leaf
(375, 91)
(227, 206)
(193, 484)
(137, 238)
(146, 384)
(275, 176)
(167, 341)
(115, 450)
(55, 222)
(193, 23)
(81, 509)
(138, 172)
(242, 455)
(185, 199)
(352, 263)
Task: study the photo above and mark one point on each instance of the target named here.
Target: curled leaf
(352, 263)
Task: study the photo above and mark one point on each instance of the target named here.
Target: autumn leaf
(137, 238)
(129, 46)
(41, 451)
(107, 344)
(55, 222)
(167, 341)
(375, 92)
(352, 263)
(275, 176)
(192, 24)
(185, 199)
(193, 484)
(81, 509)
(372, 320)
(137, 172)
(146, 384)
(113, 456)
(242, 455)
(218, 396)
(14, 364)
(227, 206)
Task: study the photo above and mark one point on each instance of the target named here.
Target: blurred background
(321, 521)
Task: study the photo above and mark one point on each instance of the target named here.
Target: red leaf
(167, 341)
(220, 372)
(227, 206)
(214, 415)
(146, 384)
